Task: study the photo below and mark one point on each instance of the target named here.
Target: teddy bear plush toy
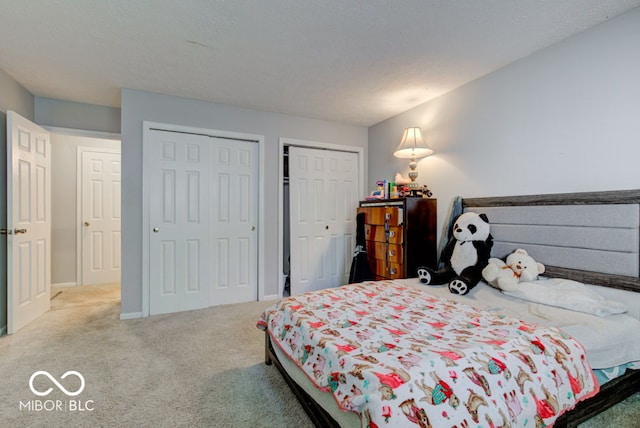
(464, 256)
(519, 267)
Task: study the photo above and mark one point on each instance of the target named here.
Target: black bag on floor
(360, 270)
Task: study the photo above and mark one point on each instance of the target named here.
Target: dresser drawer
(393, 216)
(382, 251)
(380, 215)
(377, 250)
(395, 271)
(373, 215)
(394, 253)
(376, 232)
(385, 260)
(395, 235)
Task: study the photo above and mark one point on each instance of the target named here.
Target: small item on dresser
(425, 192)
(519, 267)
(464, 257)
(400, 180)
(379, 192)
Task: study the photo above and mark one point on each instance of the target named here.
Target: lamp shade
(412, 145)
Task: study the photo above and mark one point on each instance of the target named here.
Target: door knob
(156, 230)
(17, 231)
(253, 228)
(86, 223)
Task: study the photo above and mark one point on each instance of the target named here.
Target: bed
(591, 238)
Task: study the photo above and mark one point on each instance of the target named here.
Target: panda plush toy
(465, 255)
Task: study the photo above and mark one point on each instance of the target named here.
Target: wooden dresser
(401, 235)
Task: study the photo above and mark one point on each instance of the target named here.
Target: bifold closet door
(203, 203)
(322, 204)
(179, 242)
(234, 221)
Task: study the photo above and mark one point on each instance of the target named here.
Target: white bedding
(599, 335)
(568, 294)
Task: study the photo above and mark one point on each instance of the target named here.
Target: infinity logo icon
(56, 383)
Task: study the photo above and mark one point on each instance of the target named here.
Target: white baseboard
(65, 284)
(269, 297)
(130, 315)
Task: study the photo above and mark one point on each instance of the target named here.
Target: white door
(29, 220)
(322, 203)
(100, 217)
(179, 254)
(234, 221)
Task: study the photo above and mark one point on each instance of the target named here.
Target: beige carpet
(194, 369)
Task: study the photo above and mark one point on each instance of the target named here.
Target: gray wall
(69, 114)
(564, 119)
(138, 106)
(12, 97)
(64, 149)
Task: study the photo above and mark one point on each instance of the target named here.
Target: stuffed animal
(519, 267)
(464, 256)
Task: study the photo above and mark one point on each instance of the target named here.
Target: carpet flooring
(201, 368)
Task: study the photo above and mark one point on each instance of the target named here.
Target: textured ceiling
(350, 61)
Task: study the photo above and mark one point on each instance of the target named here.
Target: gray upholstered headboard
(589, 237)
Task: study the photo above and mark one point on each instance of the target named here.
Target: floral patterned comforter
(399, 356)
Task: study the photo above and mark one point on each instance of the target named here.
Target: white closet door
(179, 254)
(234, 221)
(322, 203)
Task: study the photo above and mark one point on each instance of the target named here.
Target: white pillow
(566, 294)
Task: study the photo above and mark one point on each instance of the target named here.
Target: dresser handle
(392, 253)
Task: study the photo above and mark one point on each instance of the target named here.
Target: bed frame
(589, 233)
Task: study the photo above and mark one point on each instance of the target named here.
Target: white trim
(130, 315)
(83, 133)
(65, 284)
(79, 152)
(147, 126)
(359, 151)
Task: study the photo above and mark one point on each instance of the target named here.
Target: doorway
(39, 212)
(70, 253)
